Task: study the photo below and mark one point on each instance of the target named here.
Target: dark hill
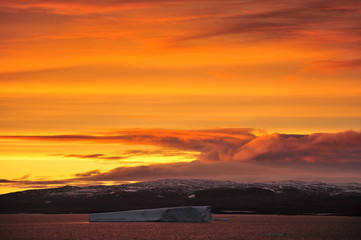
(288, 197)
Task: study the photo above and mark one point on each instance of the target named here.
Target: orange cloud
(237, 154)
(233, 144)
(335, 66)
(77, 7)
(236, 171)
(129, 153)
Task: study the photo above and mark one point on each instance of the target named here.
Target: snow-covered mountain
(192, 185)
(189, 186)
(280, 197)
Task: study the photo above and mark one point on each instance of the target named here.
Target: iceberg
(172, 214)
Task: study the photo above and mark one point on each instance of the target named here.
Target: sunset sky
(116, 91)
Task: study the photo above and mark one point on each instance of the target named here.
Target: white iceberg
(173, 214)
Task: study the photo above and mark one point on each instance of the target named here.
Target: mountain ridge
(274, 197)
(206, 183)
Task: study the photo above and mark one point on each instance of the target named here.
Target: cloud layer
(330, 21)
(236, 154)
(230, 145)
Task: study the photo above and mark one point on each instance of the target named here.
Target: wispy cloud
(34, 183)
(296, 19)
(277, 18)
(77, 7)
(130, 153)
(95, 156)
(88, 174)
(335, 66)
(303, 24)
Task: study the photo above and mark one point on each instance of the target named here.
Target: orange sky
(99, 68)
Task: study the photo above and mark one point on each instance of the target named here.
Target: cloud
(335, 65)
(236, 171)
(94, 156)
(162, 152)
(88, 174)
(236, 154)
(229, 145)
(84, 155)
(76, 7)
(233, 154)
(309, 20)
(170, 170)
(6, 181)
(319, 147)
(176, 22)
(34, 183)
(130, 153)
(80, 7)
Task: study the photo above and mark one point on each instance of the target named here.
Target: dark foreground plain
(248, 227)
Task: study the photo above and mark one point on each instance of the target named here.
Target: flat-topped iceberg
(172, 214)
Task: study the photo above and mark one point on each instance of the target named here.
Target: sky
(119, 91)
